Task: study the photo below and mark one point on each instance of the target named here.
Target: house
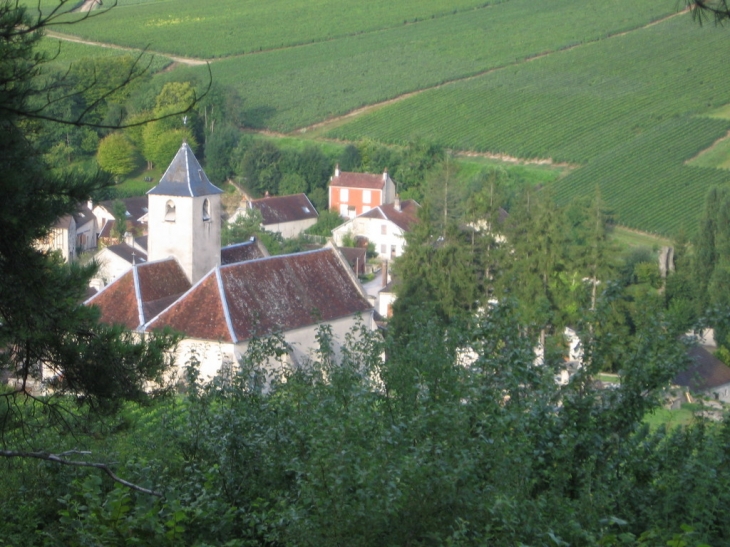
(386, 299)
(384, 226)
(135, 213)
(356, 257)
(220, 298)
(115, 260)
(72, 234)
(286, 215)
(352, 194)
(707, 375)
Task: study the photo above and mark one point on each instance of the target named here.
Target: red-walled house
(352, 194)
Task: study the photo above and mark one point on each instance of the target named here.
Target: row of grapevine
(570, 106)
(296, 87)
(645, 181)
(231, 27)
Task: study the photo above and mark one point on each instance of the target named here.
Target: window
(384, 229)
(383, 249)
(344, 194)
(170, 211)
(206, 211)
(351, 211)
(343, 209)
(366, 197)
(392, 251)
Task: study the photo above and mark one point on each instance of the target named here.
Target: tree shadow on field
(259, 116)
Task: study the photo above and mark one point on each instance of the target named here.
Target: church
(219, 299)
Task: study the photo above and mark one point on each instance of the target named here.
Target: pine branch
(61, 459)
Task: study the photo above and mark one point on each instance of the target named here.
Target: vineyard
(64, 53)
(292, 88)
(230, 27)
(588, 105)
(645, 181)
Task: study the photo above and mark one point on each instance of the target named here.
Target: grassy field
(671, 418)
(296, 87)
(581, 82)
(630, 239)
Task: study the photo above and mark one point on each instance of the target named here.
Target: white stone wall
(372, 229)
(290, 230)
(88, 230)
(194, 242)
(111, 266)
(213, 355)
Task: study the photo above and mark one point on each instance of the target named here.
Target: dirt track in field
(68, 38)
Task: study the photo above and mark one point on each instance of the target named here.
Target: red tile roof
(200, 313)
(358, 180)
(240, 252)
(404, 219)
(141, 293)
(118, 302)
(263, 296)
(160, 284)
(285, 208)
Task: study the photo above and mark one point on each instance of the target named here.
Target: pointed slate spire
(185, 177)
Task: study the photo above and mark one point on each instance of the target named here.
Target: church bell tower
(184, 217)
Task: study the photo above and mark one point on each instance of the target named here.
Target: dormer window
(170, 211)
(206, 210)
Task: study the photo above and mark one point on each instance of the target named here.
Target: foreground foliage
(458, 439)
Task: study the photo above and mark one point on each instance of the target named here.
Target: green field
(64, 52)
(228, 27)
(645, 181)
(587, 83)
(296, 87)
(597, 105)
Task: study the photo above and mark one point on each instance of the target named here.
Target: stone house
(385, 226)
(286, 215)
(72, 234)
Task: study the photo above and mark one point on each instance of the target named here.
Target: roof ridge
(273, 256)
(138, 295)
(178, 299)
(224, 303)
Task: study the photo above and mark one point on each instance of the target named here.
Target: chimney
(129, 239)
(337, 170)
(384, 270)
(396, 203)
(385, 175)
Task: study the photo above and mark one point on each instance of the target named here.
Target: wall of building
(195, 242)
(212, 355)
(290, 230)
(387, 237)
(354, 201)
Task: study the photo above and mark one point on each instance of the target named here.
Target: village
(170, 271)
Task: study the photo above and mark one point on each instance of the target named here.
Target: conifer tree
(43, 325)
